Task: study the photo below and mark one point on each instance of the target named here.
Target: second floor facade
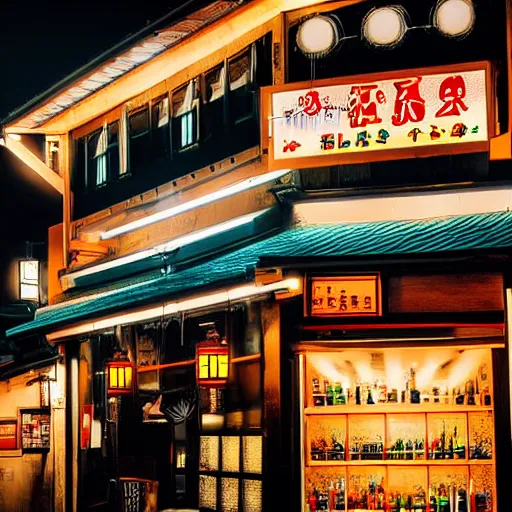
(150, 152)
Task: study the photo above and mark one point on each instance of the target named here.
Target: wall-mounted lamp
(454, 18)
(318, 36)
(385, 26)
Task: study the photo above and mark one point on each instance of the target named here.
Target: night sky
(42, 42)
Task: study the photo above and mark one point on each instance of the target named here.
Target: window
(230, 468)
(113, 149)
(138, 123)
(97, 157)
(212, 117)
(160, 127)
(241, 77)
(52, 153)
(29, 280)
(185, 115)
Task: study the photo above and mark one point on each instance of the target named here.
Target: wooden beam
(270, 323)
(28, 158)
(194, 49)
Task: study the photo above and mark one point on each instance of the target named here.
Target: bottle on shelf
(415, 397)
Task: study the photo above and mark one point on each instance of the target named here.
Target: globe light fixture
(385, 26)
(454, 18)
(318, 36)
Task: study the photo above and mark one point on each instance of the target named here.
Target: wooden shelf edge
(391, 409)
(456, 462)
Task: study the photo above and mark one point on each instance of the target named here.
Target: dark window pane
(139, 123)
(160, 124)
(215, 84)
(113, 133)
(240, 70)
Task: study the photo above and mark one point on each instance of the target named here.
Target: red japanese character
(452, 92)
(310, 103)
(362, 111)
(409, 105)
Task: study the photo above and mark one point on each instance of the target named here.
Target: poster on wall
(8, 434)
(378, 117)
(35, 429)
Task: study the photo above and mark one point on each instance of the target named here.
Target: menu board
(35, 429)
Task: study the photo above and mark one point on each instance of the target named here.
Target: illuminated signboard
(378, 117)
(342, 296)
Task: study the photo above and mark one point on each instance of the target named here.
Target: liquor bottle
(330, 394)
(486, 397)
(358, 394)
(462, 501)
(313, 501)
(369, 399)
(415, 394)
(318, 397)
(383, 393)
(470, 393)
(478, 401)
(460, 397)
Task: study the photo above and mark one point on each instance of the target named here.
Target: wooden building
(282, 277)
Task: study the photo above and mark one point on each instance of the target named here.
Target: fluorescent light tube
(194, 203)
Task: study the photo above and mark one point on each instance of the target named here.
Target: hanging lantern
(119, 376)
(212, 360)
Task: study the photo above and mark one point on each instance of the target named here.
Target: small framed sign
(8, 434)
(344, 296)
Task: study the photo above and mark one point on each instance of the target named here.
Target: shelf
(447, 462)
(392, 409)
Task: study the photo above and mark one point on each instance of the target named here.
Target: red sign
(377, 117)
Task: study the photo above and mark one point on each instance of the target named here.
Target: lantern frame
(212, 349)
(124, 365)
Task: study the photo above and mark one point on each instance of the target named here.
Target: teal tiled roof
(459, 233)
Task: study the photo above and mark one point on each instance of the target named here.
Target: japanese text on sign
(397, 113)
(345, 296)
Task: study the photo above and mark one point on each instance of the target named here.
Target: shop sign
(379, 117)
(344, 296)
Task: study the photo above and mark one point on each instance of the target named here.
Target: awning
(448, 234)
(30, 354)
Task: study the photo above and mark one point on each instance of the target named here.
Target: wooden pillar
(59, 430)
(65, 157)
(272, 441)
(279, 49)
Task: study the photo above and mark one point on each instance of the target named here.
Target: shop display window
(399, 429)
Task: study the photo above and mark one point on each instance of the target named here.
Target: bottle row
(407, 437)
(326, 393)
(374, 492)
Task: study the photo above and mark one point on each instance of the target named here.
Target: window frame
(193, 114)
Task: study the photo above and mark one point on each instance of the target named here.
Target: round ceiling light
(385, 26)
(454, 18)
(317, 36)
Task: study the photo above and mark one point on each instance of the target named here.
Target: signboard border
(382, 154)
(309, 279)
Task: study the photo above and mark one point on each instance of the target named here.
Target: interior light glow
(170, 246)
(14, 136)
(238, 293)
(454, 18)
(385, 26)
(194, 203)
(318, 36)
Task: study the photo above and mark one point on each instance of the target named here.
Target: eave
(199, 44)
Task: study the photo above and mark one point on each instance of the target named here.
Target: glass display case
(399, 430)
